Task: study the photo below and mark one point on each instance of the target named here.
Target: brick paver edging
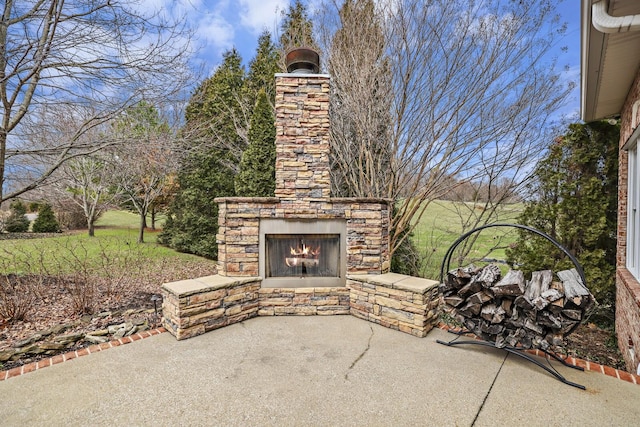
(30, 367)
(588, 366)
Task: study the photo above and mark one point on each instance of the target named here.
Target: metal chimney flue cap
(302, 60)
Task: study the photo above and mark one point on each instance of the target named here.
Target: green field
(441, 226)
(114, 245)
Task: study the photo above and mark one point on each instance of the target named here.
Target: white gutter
(608, 24)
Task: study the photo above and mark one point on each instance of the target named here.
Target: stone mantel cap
(305, 75)
(275, 200)
(269, 200)
(396, 281)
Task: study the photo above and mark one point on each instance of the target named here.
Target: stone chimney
(302, 134)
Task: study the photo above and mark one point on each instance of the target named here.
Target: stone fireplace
(302, 237)
(301, 252)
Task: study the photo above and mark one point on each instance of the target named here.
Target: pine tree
(296, 28)
(205, 174)
(575, 202)
(257, 168)
(262, 70)
(192, 220)
(17, 222)
(46, 221)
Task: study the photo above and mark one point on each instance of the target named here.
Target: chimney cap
(303, 60)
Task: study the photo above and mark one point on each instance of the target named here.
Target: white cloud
(258, 15)
(214, 29)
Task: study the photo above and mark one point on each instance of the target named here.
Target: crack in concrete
(489, 391)
(346, 375)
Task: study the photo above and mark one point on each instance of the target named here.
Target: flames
(303, 256)
(305, 251)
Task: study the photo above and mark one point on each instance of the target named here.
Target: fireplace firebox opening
(302, 253)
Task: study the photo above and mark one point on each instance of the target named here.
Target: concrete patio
(291, 371)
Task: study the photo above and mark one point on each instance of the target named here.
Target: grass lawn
(441, 226)
(114, 245)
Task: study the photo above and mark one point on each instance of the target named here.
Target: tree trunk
(143, 224)
(153, 218)
(92, 232)
(3, 148)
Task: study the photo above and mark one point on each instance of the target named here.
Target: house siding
(627, 287)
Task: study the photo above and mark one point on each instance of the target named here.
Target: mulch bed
(51, 304)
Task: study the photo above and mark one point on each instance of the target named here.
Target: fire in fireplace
(296, 252)
(306, 255)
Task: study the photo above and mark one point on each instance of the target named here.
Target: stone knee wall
(405, 303)
(303, 301)
(193, 307)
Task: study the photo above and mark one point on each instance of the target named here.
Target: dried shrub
(16, 297)
(82, 292)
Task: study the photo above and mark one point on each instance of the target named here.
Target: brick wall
(627, 287)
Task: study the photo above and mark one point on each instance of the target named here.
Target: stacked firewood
(511, 311)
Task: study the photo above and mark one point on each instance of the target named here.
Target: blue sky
(222, 24)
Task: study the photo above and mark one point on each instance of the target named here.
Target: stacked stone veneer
(367, 225)
(302, 188)
(302, 136)
(405, 303)
(193, 307)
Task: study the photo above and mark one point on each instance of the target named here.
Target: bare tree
(472, 90)
(88, 182)
(147, 164)
(360, 100)
(90, 59)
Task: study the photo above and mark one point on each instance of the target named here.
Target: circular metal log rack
(518, 351)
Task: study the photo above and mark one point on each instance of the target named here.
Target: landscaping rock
(56, 330)
(25, 342)
(71, 338)
(32, 349)
(139, 322)
(6, 354)
(47, 346)
(95, 339)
